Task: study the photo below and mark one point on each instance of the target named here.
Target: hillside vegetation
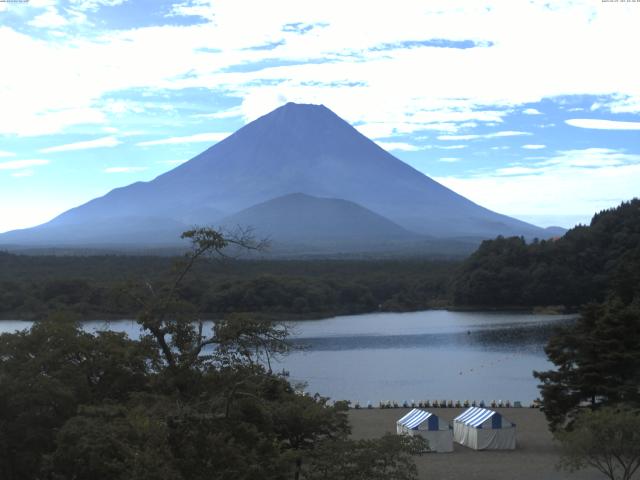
(578, 268)
(99, 286)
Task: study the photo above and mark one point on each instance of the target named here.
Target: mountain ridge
(295, 148)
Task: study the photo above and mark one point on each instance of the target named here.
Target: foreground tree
(184, 402)
(47, 373)
(597, 360)
(385, 458)
(607, 439)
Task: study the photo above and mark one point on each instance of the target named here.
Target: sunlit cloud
(105, 142)
(95, 4)
(531, 146)
(449, 159)
(6, 154)
(563, 184)
(531, 111)
(602, 124)
(197, 138)
(452, 147)
(506, 133)
(49, 19)
(402, 146)
(230, 113)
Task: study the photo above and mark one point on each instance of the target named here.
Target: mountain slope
(300, 218)
(295, 148)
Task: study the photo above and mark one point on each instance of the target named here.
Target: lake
(435, 354)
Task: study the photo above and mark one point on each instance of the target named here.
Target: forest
(578, 268)
(100, 286)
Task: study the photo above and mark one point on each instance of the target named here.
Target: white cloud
(517, 170)
(534, 146)
(452, 147)
(572, 182)
(602, 124)
(229, 113)
(355, 73)
(449, 159)
(97, 143)
(22, 164)
(531, 111)
(506, 133)
(199, 137)
(95, 4)
(6, 154)
(402, 146)
(49, 19)
(124, 169)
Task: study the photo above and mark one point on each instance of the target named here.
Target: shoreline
(311, 316)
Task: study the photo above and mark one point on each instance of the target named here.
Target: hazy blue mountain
(109, 231)
(301, 218)
(295, 148)
(554, 232)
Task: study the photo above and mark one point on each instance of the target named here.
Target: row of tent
(477, 428)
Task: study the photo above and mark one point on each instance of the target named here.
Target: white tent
(483, 429)
(428, 426)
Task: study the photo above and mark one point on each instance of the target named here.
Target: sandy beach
(535, 457)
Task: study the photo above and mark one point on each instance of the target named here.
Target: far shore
(309, 316)
(535, 457)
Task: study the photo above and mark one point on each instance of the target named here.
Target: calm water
(431, 355)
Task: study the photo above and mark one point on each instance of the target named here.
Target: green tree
(597, 361)
(47, 373)
(184, 402)
(385, 458)
(607, 439)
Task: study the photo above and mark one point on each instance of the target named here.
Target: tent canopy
(416, 417)
(476, 417)
(481, 428)
(427, 425)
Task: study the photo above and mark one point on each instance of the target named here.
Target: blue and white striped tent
(484, 429)
(429, 426)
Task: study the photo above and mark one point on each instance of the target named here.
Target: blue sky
(530, 108)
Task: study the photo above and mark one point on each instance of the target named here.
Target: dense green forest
(100, 286)
(578, 268)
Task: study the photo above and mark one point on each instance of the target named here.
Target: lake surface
(416, 356)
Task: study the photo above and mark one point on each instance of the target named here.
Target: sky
(529, 108)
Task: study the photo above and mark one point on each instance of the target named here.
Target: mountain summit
(297, 148)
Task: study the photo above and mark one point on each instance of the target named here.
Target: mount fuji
(280, 172)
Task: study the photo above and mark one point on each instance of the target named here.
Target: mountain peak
(297, 147)
(292, 115)
(303, 106)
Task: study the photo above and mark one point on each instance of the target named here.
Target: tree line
(578, 268)
(99, 287)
